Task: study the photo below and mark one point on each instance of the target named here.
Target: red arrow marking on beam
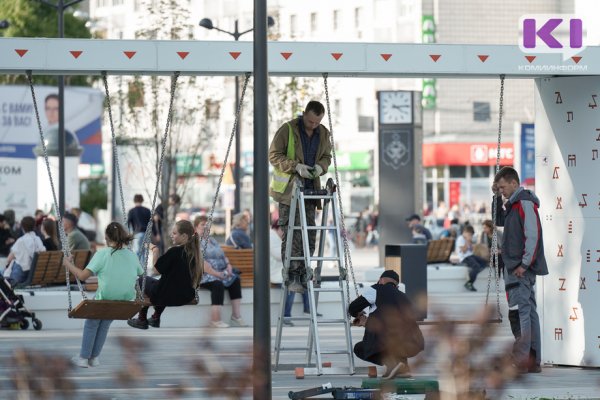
(76, 53)
(386, 56)
(235, 54)
(286, 55)
(130, 54)
(435, 57)
(183, 54)
(483, 57)
(337, 56)
(530, 58)
(21, 52)
(576, 59)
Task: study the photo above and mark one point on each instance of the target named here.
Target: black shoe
(137, 323)
(469, 286)
(154, 322)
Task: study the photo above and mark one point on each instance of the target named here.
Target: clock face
(395, 107)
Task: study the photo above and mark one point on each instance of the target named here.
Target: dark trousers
(149, 290)
(377, 358)
(475, 264)
(217, 291)
(297, 267)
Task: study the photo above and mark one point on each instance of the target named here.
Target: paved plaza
(187, 363)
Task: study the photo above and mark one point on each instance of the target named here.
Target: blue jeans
(17, 275)
(289, 302)
(94, 336)
(138, 241)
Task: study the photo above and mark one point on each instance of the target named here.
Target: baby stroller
(13, 312)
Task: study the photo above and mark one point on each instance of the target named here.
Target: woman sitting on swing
(116, 268)
(181, 268)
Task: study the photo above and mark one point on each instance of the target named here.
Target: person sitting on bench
(181, 268)
(392, 334)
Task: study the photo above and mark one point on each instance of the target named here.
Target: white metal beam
(131, 57)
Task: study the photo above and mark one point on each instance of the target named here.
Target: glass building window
(458, 171)
(480, 171)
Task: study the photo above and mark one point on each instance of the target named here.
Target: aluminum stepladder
(314, 285)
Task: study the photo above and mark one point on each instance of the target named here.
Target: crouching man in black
(392, 334)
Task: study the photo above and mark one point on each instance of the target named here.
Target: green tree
(94, 195)
(30, 18)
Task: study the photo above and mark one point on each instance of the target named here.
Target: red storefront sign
(466, 154)
(454, 193)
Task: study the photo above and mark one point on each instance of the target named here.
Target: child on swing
(181, 268)
(117, 268)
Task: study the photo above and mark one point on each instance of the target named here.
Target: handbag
(481, 250)
(229, 279)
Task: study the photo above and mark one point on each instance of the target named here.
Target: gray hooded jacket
(523, 243)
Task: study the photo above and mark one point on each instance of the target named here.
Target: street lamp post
(4, 24)
(60, 7)
(207, 24)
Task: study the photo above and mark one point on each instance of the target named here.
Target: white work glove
(304, 171)
(317, 171)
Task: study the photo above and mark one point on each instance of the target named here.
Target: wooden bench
(242, 259)
(45, 270)
(439, 251)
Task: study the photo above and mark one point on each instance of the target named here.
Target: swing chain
(145, 249)
(206, 232)
(115, 152)
(494, 258)
(61, 228)
(347, 257)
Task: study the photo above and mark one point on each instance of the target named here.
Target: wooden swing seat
(106, 309)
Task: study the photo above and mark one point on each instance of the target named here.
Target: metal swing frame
(105, 309)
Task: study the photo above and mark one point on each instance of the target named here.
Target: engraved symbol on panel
(548, 217)
(560, 251)
(569, 116)
(593, 103)
(598, 251)
(583, 204)
(558, 98)
(582, 283)
(562, 287)
(594, 154)
(574, 316)
(559, 203)
(598, 138)
(558, 334)
(598, 280)
(555, 174)
(588, 256)
(570, 227)
(572, 160)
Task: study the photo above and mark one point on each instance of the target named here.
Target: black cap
(414, 216)
(70, 217)
(388, 273)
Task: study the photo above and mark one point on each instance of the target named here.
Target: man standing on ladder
(301, 148)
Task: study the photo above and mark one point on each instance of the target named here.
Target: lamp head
(270, 21)
(4, 24)
(206, 23)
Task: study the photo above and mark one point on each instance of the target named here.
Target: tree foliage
(33, 19)
(143, 102)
